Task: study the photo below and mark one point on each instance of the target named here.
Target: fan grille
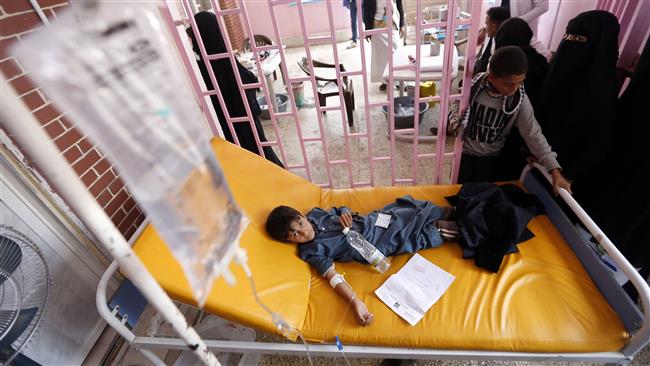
(24, 291)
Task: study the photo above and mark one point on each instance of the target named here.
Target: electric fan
(24, 290)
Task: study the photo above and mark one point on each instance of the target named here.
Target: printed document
(414, 288)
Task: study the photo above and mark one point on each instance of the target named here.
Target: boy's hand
(346, 219)
(559, 181)
(364, 317)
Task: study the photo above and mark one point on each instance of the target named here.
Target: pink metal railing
(267, 96)
(362, 34)
(469, 66)
(446, 80)
(634, 17)
(438, 156)
(172, 25)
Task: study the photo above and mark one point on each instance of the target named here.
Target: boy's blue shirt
(411, 229)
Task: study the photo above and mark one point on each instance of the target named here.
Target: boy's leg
(466, 170)
(476, 169)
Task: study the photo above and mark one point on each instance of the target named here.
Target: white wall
(553, 28)
(553, 23)
(316, 18)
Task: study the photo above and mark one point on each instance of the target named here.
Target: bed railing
(641, 336)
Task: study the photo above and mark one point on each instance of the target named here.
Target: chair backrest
(260, 40)
(320, 64)
(303, 65)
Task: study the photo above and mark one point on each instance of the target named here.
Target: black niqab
(577, 107)
(516, 32)
(222, 69)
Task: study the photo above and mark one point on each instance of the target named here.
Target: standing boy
(497, 103)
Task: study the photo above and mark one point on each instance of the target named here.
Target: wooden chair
(260, 40)
(326, 73)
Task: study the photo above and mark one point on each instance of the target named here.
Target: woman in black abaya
(618, 198)
(214, 43)
(516, 32)
(577, 107)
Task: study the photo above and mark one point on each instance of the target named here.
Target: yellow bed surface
(542, 300)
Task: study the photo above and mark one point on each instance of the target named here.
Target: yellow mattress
(542, 300)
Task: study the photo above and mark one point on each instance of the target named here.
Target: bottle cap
(346, 230)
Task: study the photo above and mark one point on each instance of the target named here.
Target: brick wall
(233, 25)
(17, 18)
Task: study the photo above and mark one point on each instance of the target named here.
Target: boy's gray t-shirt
(489, 126)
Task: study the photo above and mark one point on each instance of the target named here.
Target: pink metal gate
(434, 157)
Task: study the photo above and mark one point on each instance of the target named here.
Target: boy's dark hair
(278, 224)
(498, 14)
(508, 60)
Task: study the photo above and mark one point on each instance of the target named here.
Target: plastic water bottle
(376, 259)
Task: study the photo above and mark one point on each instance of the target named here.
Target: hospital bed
(553, 300)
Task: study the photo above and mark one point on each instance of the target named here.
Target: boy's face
(301, 231)
(506, 85)
(491, 26)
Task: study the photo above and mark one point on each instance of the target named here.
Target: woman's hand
(559, 181)
(346, 219)
(364, 317)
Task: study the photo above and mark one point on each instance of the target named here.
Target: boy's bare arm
(364, 317)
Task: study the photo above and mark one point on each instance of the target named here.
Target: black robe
(618, 197)
(516, 32)
(493, 220)
(222, 69)
(577, 106)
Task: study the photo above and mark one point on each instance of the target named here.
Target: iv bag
(110, 66)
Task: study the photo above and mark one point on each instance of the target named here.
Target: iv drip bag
(110, 66)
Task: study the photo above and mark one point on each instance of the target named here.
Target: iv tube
(280, 323)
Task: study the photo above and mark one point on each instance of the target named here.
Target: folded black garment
(493, 220)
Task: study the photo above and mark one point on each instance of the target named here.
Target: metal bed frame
(26, 130)
(632, 317)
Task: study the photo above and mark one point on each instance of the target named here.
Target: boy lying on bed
(413, 225)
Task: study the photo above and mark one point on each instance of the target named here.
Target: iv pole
(23, 128)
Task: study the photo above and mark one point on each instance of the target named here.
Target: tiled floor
(332, 128)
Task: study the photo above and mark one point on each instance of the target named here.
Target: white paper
(415, 288)
(383, 220)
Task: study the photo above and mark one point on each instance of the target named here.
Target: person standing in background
(222, 68)
(516, 32)
(619, 203)
(530, 11)
(375, 16)
(493, 19)
(352, 6)
(577, 105)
